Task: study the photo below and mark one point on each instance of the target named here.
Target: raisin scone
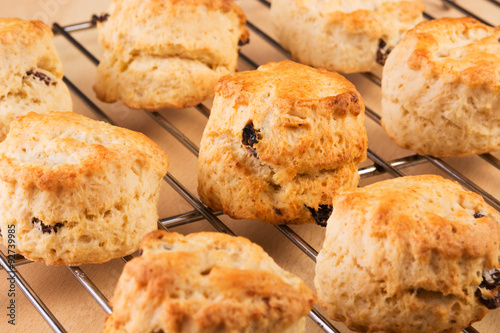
(441, 89)
(30, 72)
(167, 53)
(207, 282)
(411, 254)
(77, 190)
(280, 142)
(341, 35)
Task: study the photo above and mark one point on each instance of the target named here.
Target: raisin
(102, 18)
(278, 211)
(46, 228)
(243, 42)
(478, 215)
(42, 77)
(322, 214)
(382, 52)
(491, 281)
(490, 303)
(250, 136)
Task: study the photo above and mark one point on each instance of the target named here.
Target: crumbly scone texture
(167, 53)
(207, 282)
(77, 190)
(441, 89)
(309, 137)
(343, 35)
(30, 72)
(407, 255)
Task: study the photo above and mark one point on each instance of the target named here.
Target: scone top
(195, 29)
(207, 282)
(341, 35)
(62, 149)
(373, 17)
(454, 49)
(308, 119)
(24, 46)
(419, 215)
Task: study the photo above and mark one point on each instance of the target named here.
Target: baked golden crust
(369, 21)
(21, 35)
(160, 12)
(166, 53)
(451, 107)
(30, 71)
(207, 282)
(457, 50)
(309, 139)
(107, 146)
(302, 94)
(341, 35)
(77, 190)
(406, 255)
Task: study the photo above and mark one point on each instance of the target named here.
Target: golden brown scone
(77, 190)
(207, 282)
(342, 35)
(441, 89)
(30, 72)
(412, 254)
(280, 142)
(167, 53)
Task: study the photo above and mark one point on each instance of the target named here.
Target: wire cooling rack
(379, 166)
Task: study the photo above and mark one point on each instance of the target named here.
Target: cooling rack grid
(173, 125)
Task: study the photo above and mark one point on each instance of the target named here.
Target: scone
(412, 254)
(441, 89)
(77, 190)
(340, 35)
(30, 72)
(207, 282)
(167, 53)
(280, 142)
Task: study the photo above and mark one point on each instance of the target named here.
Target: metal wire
(467, 12)
(201, 211)
(174, 131)
(495, 2)
(31, 295)
(91, 288)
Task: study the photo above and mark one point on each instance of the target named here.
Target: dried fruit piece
(243, 42)
(102, 18)
(382, 52)
(250, 136)
(322, 214)
(42, 77)
(46, 228)
(488, 291)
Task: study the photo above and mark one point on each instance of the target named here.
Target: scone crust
(475, 64)
(406, 255)
(22, 36)
(30, 72)
(342, 36)
(310, 139)
(94, 188)
(167, 53)
(452, 106)
(207, 282)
